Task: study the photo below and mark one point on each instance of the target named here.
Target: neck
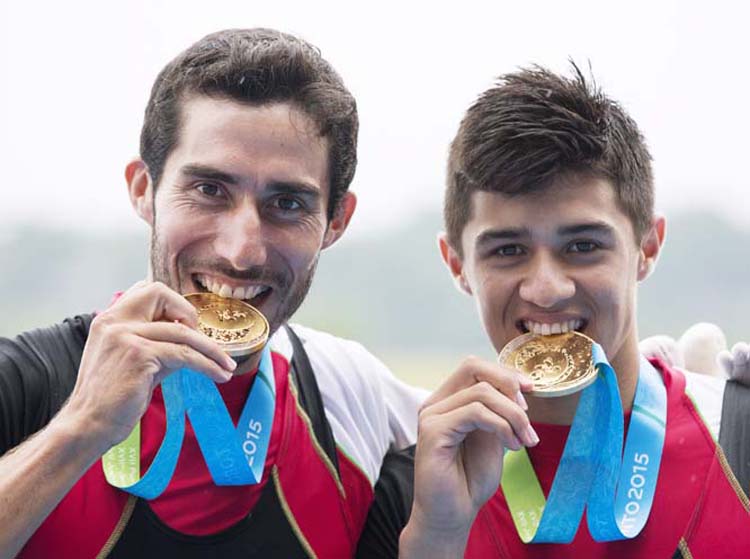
(248, 365)
(561, 411)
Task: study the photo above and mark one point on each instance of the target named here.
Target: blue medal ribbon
(234, 455)
(616, 490)
(624, 487)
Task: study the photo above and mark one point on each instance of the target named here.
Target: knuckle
(134, 352)
(476, 408)
(157, 288)
(469, 365)
(102, 321)
(425, 422)
(184, 331)
(518, 417)
(484, 389)
(505, 430)
(425, 413)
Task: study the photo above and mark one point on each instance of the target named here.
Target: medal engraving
(558, 365)
(237, 326)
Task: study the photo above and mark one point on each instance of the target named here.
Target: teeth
(545, 329)
(223, 290)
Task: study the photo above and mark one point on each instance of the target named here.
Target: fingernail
(532, 436)
(231, 364)
(521, 401)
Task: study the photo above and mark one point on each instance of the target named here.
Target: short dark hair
(535, 126)
(256, 67)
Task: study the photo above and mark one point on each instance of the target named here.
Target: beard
(288, 292)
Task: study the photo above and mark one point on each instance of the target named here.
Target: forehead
(250, 140)
(543, 213)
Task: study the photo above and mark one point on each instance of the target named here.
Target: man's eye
(287, 204)
(208, 189)
(583, 246)
(509, 250)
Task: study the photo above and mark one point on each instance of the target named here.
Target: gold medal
(558, 365)
(238, 327)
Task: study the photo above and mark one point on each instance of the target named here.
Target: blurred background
(76, 76)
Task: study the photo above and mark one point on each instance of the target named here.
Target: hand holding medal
(234, 456)
(464, 426)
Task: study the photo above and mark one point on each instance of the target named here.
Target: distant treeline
(389, 291)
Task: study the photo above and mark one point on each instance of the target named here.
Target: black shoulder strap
(391, 507)
(734, 433)
(310, 398)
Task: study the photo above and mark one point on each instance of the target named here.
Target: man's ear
(651, 244)
(454, 263)
(140, 190)
(341, 219)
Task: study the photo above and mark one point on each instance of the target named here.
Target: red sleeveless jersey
(325, 509)
(698, 506)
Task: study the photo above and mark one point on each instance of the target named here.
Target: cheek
(299, 250)
(613, 295)
(494, 295)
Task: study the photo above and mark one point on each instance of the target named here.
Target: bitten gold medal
(233, 455)
(616, 488)
(235, 325)
(558, 365)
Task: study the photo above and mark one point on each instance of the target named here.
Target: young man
(550, 227)
(248, 149)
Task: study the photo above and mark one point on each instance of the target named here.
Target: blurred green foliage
(389, 291)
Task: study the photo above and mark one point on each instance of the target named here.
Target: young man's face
(559, 259)
(241, 206)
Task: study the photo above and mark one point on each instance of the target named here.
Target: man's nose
(240, 237)
(546, 283)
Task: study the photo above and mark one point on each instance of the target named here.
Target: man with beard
(248, 148)
(550, 227)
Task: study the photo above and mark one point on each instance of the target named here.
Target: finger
(172, 357)
(178, 333)
(740, 360)
(155, 301)
(450, 429)
(496, 402)
(727, 363)
(473, 370)
(741, 352)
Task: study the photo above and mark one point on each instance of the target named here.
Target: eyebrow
(509, 234)
(210, 173)
(591, 228)
(600, 228)
(278, 186)
(294, 187)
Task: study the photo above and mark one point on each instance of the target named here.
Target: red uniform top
(93, 514)
(698, 506)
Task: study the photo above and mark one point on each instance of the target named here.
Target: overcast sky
(76, 76)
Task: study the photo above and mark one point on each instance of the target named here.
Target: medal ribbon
(593, 463)
(234, 456)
